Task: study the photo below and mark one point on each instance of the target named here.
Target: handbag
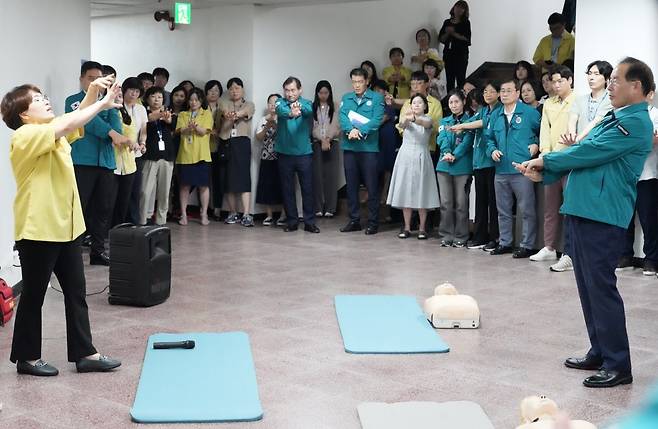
(223, 150)
(7, 301)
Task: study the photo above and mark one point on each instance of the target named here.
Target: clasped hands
(355, 134)
(193, 127)
(532, 169)
(295, 109)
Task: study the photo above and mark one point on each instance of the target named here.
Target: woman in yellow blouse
(49, 222)
(194, 126)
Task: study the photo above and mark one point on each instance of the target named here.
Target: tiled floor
(279, 289)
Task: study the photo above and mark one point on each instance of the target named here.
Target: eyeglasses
(38, 98)
(490, 91)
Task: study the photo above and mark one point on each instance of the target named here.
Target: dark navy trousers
(303, 166)
(361, 167)
(595, 249)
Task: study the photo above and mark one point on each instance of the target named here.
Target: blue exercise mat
(385, 324)
(214, 382)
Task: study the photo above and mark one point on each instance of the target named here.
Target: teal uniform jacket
(95, 147)
(293, 135)
(459, 145)
(604, 167)
(480, 157)
(514, 138)
(371, 107)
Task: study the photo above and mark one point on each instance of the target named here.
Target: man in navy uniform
(599, 201)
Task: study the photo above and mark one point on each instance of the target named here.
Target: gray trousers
(507, 187)
(453, 192)
(325, 177)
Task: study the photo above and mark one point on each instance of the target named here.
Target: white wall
(218, 45)
(44, 43)
(600, 35)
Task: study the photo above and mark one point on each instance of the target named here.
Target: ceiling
(132, 7)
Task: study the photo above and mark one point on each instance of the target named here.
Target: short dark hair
(185, 82)
(493, 83)
(146, 76)
(171, 96)
(458, 93)
(200, 95)
(431, 62)
(422, 97)
(152, 90)
(420, 75)
(132, 83)
(516, 83)
(539, 90)
(394, 50)
(358, 72)
(605, 68)
(475, 95)
(14, 103)
(234, 80)
(640, 71)
(556, 18)
(370, 64)
(89, 65)
(381, 84)
(161, 71)
(108, 70)
(210, 84)
(277, 95)
(424, 30)
(562, 70)
(290, 80)
(526, 65)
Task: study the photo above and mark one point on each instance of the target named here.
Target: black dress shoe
(40, 368)
(291, 228)
(501, 250)
(312, 228)
(587, 363)
(606, 378)
(86, 241)
(99, 259)
(522, 252)
(372, 230)
(351, 227)
(103, 364)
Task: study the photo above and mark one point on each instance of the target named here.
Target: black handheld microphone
(187, 344)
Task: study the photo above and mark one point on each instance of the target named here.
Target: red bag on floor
(6, 302)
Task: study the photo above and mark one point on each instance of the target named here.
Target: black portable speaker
(140, 265)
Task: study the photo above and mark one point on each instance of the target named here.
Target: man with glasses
(511, 136)
(94, 164)
(599, 201)
(361, 114)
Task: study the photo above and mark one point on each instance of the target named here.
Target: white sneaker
(564, 264)
(544, 255)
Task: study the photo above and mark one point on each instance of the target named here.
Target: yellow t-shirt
(124, 156)
(193, 147)
(47, 205)
(403, 85)
(435, 112)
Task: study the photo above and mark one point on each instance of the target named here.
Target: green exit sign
(183, 13)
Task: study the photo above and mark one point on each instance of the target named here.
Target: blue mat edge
(386, 353)
(140, 420)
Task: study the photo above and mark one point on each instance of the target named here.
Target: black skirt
(268, 190)
(195, 174)
(238, 171)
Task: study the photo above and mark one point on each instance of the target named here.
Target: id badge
(161, 145)
(234, 132)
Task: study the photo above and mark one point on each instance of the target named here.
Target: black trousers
(455, 71)
(218, 178)
(646, 207)
(96, 189)
(486, 213)
(303, 166)
(361, 167)
(39, 260)
(133, 207)
(595, 249)
(123, 186)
